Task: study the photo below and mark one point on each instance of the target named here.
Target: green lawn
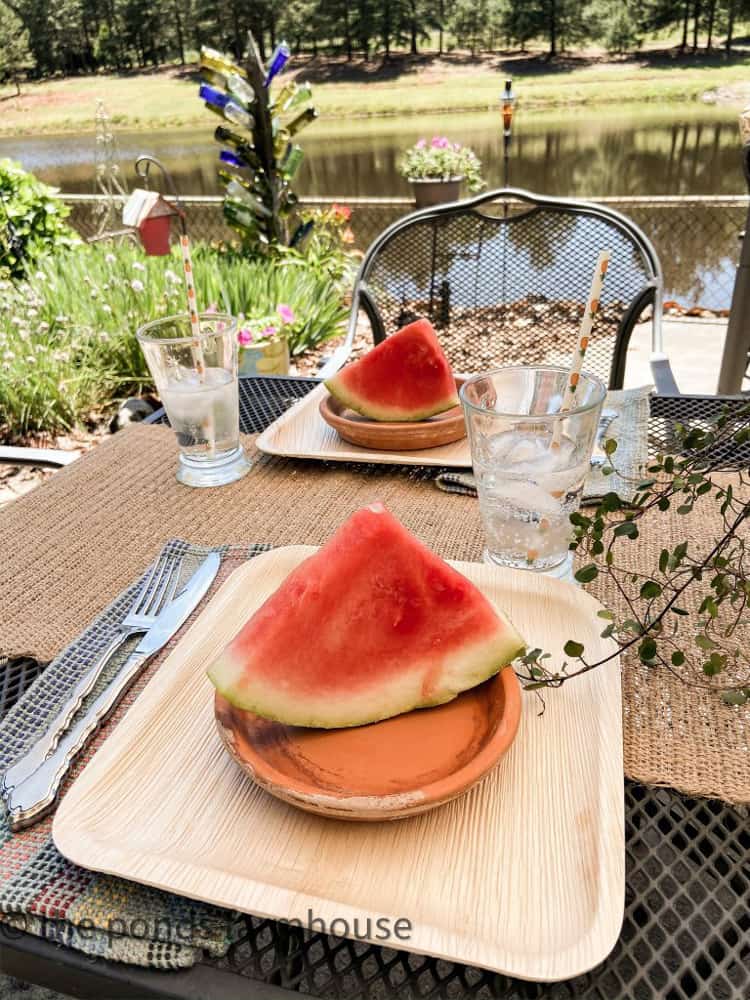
(168, 97)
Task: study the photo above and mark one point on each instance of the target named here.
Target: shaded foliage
(71, 36)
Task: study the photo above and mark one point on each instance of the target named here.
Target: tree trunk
(696, 23)
(364, 38)
(347, 33)
(730, 26)
(685, 22)
(237, 42)
(178, 25)
(413, 30)
(441, 14)
(552, 28)
(711, 19)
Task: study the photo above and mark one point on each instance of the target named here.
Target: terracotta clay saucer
(387, 770)
(402, 435)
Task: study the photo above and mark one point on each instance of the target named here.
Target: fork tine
(142, 596)
(162, 585)
(175, 579)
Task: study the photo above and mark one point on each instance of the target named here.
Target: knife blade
(34, 797)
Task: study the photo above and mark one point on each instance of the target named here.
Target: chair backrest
(504, 277)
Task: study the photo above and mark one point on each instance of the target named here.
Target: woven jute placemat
(71, 546)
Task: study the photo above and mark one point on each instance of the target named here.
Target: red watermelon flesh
(373, 625)
(407, 377)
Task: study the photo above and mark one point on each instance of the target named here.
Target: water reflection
(610, 152)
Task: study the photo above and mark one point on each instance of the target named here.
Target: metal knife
(34, 797)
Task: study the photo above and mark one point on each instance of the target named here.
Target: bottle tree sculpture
(260, 158)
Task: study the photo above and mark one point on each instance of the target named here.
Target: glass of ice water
(197, 382)
(530, 461)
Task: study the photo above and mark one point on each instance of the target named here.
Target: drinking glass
(197, 382)
(530, 461)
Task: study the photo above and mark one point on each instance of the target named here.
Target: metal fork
(158, 589)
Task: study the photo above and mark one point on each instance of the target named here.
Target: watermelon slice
(372, 625)
(407, 377)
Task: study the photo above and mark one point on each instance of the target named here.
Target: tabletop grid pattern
(686, 929)
(684, 933)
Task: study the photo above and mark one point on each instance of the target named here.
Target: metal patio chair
(504, 277)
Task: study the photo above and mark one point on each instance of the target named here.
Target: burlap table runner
(70, 546)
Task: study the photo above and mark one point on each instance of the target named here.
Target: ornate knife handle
(25, 766)
(33, 798)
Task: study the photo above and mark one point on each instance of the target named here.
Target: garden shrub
(32, 220)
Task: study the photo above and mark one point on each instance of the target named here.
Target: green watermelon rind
(385, 414)
(489, 657)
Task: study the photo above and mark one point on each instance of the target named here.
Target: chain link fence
(697, 238)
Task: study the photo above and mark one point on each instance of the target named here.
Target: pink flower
(270, 331)
(245, 337)
(212, 308)
(342, 212)
(440, 142)
(421, 144)
(285, 313)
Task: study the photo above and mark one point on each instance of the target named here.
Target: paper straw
(196, 346)
(187, 265)
(587, 322)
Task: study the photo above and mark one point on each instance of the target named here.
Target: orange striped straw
(187, 265)
(587, 322)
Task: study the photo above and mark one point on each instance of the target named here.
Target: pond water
(616, 151)
(634, 150)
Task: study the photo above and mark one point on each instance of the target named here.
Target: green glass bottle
(284, 95)
(298, 123)
(292, 160)
(300, 95)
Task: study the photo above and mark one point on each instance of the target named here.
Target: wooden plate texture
(524, 874)
(302, 432)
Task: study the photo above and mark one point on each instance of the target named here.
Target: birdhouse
(150, 214)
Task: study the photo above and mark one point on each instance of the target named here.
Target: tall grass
(68, 350)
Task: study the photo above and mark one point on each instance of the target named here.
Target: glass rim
(599, 385)
(142, 333)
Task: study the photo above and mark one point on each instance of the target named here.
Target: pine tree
(14, 47)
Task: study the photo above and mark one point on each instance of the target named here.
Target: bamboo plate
(302, 432)
(388, 770)
(401, 435)
(524, 874)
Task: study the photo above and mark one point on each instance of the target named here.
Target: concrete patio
(694, 347)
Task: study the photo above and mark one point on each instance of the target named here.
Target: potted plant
(437, 168)
(264, 345)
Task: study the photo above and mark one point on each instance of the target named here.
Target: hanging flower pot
(437, 168)
(435, 191)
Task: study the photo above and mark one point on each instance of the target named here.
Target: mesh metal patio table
(686, 929)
